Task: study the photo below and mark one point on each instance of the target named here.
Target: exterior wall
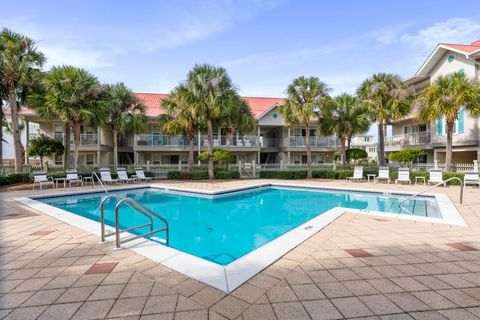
(444, 67)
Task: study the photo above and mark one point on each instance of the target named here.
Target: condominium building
(409, 132)
(272, 141)
(366, 142)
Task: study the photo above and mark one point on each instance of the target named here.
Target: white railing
(159, 140)
(242, 141)
(86, 139)
(268, 142)
(413, 139)
(315, 141)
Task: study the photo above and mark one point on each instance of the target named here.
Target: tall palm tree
(73, 96)
(305, 97)
(180, 119)
(237, 118)
(447, 97)
(19, 62)
(387, 100)
(210, 87)
(345, 116)
(125, 113)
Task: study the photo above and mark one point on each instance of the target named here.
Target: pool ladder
(432, 187)
(140, 208)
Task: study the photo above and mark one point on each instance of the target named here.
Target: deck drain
(308, 227)
(209, 229)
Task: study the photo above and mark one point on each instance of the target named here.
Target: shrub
(406, 156)
(356, 154)
(43, 146)
(199, 175)
(220, 156)
(174, 175)
(447, 175)
(15, 178)
(227, 175)
(283, 174)
(324, 174)
(343, 174)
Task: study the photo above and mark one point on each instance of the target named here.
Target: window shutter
(440, 126)
(461, 116)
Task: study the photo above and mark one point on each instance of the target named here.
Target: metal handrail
(99, 181)
(140, 208)
(436, 185)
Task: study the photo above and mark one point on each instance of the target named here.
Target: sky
(264, 45)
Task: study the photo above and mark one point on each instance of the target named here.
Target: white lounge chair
(123, 176)
(140, 175)
(471, 177)
(73, 177)
(357, 174)
(106, 177)
(436, 176)
(383, 174)
(41, 179)
(403, 175)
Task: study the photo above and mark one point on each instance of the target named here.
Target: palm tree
(345, 116)
(305, 96)
(447, 97)
(125, 113)
(210, 88)
(180, 119)
(386, 98)
(72, 95)
(237, 118)
(19, 62)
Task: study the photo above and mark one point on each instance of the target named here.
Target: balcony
(315, 142)
(236, 142)
(86, 139)
(268, 142)
(158, 140)
(413, 139)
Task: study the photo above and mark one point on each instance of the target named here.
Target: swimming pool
(225, 227)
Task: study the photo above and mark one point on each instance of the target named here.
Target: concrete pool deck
(357, 266)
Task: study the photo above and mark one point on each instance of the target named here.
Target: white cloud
(387, 38)
(456, 30)
(72, 54)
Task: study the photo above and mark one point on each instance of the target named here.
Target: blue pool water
(222, 229)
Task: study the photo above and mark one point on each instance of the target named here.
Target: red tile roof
(468, 48)
(152, 102)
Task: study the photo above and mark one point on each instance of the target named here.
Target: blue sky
(151, 45)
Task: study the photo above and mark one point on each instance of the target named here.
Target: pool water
(221, 229)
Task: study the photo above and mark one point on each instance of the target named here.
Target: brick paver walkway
(359, 267)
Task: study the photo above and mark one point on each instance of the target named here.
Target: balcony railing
(239, 142)
(315, 141)
(158, 140)
(268, 142)
(413, 139)
(86, 139)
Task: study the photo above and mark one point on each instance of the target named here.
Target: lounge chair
(73, 177)
(436, 176)
(123, 176)
(403, 175)
(41, 179)
(383, 174)
(106, 177)
(357, 174)
(471, 177)
(140, 175)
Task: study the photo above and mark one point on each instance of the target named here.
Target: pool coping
(228, 278)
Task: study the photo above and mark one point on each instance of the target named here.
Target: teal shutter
(461, 71)
(461, 116)
(440, 127)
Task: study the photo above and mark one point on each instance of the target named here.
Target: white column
(135, 157)
(27, 139)
(435, 164)
(475, 165)
(148, 165)
(254, 168)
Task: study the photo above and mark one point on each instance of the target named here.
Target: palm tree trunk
(16, 133)
(448, 155)
(2, 118)
(210, 149)
(76, 141)
(67, 146)
(309, 153)
(229, 137)
(381, 145)
(115, 147)
(349, 138)
(191, 151)
(344, 150)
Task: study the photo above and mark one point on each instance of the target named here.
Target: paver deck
(404, 270)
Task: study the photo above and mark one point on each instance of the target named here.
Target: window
(90, 159)
(297, 132)
(58, 159)
(58, 131)
(320, 158)
(156, 158)
(297, 159)
(372, 149)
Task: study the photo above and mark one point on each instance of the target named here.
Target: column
(135, 157)
(98, 158)
(27, 139)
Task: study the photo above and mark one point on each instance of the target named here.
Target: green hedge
(12, 178)
(301, 174)
(202, 175)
